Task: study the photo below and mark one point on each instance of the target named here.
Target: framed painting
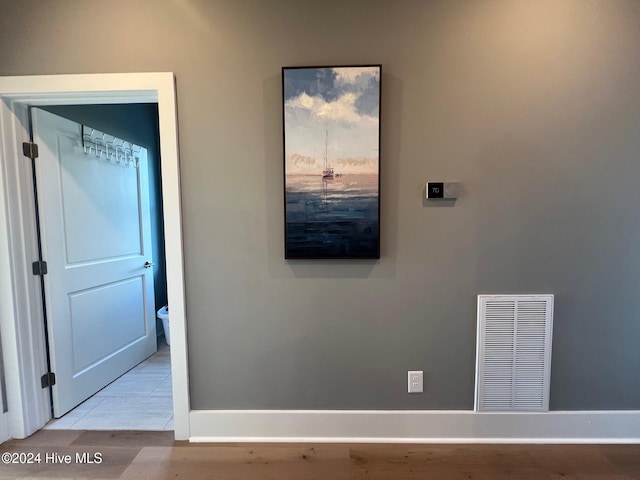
(331, 130)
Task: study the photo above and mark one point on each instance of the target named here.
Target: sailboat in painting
(328, 173)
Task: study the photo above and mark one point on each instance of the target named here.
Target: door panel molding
(20, 311)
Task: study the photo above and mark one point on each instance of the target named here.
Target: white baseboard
(399, 426)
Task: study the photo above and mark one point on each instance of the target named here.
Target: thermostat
(444, 190)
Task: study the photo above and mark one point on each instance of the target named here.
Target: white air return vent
(513, 362)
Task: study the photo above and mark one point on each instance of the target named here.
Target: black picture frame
(331, 161)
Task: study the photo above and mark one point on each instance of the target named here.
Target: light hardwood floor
(141, 455)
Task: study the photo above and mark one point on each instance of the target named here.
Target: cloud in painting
(343, 108)
(347, 94)
(333, 107)
(356, 78)
(312, 81)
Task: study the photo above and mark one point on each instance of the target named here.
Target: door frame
(20, 297)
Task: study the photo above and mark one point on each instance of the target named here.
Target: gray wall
(533, 106)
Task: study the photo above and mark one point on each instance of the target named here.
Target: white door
(96, 239)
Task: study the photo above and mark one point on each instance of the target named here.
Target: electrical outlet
(415, 381)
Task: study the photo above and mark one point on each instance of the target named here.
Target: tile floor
(138, 400)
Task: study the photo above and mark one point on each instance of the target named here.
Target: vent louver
(513, 352)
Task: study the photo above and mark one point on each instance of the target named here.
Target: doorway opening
(20, 320)
(104, 175)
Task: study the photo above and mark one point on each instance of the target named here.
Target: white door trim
(20, 302)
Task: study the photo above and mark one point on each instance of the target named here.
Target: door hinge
(30, 150)
(39, 268)
(48, 380)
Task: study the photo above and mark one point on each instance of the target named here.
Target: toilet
(163, 314)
